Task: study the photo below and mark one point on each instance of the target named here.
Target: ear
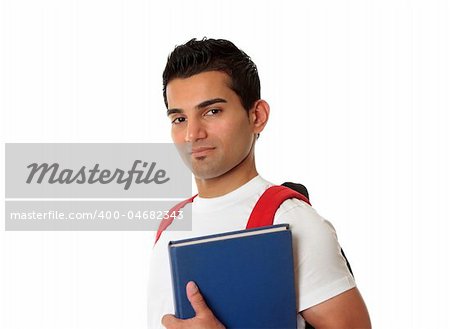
(259, 115)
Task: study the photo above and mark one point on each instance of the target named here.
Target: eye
(178, 120)
(212, 112)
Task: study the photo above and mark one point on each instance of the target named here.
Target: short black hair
(197, 56)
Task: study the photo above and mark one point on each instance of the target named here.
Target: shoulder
(298, 213)
(308, 227)
(320, 266)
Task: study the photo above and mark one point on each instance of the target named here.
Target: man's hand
(204, 317)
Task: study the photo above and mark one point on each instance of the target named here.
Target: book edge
(229, 235)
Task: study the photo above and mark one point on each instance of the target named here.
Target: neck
(230, 181)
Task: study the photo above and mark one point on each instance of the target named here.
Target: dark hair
(197, 56)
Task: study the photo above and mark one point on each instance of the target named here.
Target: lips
(201, 151)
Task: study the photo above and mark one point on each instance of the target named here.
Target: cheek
(237, 124)
(242, 128)
(236, 134)
(177, 135)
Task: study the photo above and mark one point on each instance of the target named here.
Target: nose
(194, 131)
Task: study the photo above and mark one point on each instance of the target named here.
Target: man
(212, 94)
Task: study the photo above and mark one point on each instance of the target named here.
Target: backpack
(263, 212)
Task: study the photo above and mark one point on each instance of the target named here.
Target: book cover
(246, 277)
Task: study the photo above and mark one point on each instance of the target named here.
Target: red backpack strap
(167, 221)
(269, 202)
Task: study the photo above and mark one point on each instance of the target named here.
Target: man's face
(210, 127)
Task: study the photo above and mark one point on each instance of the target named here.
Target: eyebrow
(200, 106)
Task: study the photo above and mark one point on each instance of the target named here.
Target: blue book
(246, 277)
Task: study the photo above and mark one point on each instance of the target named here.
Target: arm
(344, 311)
(328, 297)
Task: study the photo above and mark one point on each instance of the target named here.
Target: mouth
(201, 151)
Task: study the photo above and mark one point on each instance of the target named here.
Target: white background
(359, 95)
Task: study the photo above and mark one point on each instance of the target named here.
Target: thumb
(195, 297)
(170, 321)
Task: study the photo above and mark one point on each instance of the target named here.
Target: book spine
(177, 289)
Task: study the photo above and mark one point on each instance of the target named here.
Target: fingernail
(192, 287)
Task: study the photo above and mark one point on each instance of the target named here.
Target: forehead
(188, 92)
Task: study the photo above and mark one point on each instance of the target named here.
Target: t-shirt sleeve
(321, 271)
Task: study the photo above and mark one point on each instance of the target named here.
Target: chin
(206, 173)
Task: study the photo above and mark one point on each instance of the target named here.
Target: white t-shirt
(320, 269)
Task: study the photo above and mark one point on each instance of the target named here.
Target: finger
(170, 321)
(195, 297)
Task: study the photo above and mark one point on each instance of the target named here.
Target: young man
(212, 94)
